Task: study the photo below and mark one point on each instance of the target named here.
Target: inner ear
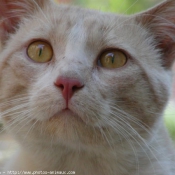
(12, 12)
(160, 23)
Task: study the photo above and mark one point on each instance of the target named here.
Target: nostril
(77, 87)
(74, 88)
(61, 86)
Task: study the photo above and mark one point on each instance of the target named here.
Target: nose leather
(68, 86)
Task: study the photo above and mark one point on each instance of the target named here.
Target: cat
(84, 92)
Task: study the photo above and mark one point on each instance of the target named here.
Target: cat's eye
(112, 59)
(40, 51)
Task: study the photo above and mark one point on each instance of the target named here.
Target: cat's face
(106, 105)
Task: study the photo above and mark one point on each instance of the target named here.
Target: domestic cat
(85, 91)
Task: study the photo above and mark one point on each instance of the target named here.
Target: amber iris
(112, 59)
(40, 51)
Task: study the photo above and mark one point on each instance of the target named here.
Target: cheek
(45, 101)
(22, 68)
(17, 77)
(12, 89)
(11, 85)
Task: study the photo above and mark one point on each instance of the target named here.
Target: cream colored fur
(117, 127)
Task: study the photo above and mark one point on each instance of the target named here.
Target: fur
(116, 125)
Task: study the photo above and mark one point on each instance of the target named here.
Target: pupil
(40, 52)
(112, 58)
(41, 47)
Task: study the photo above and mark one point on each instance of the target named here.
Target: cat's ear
(12, 11)
(160, 21)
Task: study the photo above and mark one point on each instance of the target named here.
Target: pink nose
(68, 87)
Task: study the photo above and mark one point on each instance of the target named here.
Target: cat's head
(83, 77)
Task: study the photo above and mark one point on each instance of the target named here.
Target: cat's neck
(103, 161)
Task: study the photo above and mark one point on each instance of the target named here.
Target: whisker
(30, 129)
(135, 133)
(130, 6)
(127, 137)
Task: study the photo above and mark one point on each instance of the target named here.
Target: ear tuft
(160, 21)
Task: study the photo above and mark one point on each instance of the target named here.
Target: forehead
(77, 23)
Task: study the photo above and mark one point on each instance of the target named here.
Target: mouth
(66, 114)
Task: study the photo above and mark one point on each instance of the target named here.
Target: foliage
(124, 7)
(170, 119)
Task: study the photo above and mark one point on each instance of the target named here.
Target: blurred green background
(130, 7)
(170, 118)
(119, 6)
